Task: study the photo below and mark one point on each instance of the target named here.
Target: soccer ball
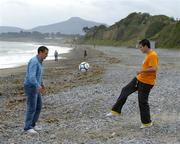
(84, 66)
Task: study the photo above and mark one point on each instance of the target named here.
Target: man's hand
(148, 70)
(138, 72)
(41, 89)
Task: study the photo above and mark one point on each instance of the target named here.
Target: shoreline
(67, 67)
(17, 69)
(63, 48)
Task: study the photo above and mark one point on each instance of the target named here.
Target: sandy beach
(75, 103)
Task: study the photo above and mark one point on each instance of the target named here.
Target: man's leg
(38, 110)
(143, 94)
(126, 91)
(31, 94)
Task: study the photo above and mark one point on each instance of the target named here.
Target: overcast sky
(30, 13)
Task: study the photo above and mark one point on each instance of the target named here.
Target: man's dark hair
(145, 42)
(42, 49)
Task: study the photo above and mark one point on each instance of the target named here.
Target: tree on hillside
(86, 29)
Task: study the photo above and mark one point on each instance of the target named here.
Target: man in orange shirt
(143, 83)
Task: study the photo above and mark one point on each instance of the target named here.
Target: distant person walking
(34, 86)
(143, 83)
(85, 54)
(56, 55)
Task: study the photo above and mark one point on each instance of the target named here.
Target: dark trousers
(143, 94)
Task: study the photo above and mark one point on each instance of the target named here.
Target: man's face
(143, 49)
(44, 54)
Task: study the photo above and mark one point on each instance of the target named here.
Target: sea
(15, 54)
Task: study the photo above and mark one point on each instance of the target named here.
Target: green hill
(128, 31)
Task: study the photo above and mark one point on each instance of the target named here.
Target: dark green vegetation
(165, 31)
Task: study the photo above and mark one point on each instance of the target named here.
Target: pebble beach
(75, 103)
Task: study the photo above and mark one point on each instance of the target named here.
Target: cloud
(31, 13)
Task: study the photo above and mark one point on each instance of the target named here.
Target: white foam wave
(13, 54)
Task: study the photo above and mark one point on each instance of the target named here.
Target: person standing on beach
(85, 54)
(34, 87)
(143, 83)
(56, 55)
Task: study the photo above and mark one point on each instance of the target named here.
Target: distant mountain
(5, 29)
(73, 25)
(136, 26)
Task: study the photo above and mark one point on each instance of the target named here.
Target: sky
(27, 14)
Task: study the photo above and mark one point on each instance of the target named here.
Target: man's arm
(148, 70)
(32, 77)
(153, 65)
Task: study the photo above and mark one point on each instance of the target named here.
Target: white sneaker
(32, 131)
(146, 125)
(109, 114)
(113, 113)
(37, 128)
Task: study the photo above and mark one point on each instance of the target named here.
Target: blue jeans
(34, 105)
